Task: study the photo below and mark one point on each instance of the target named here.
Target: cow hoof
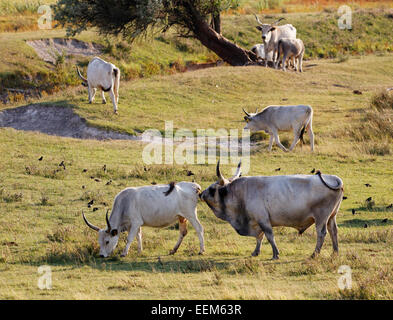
(117, 113)
(255, 254)
(172, 252)
(200, 253)
(275, 258)
(103, 102)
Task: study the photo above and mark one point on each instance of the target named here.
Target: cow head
(107, 238)
(214, 194)
(266, 29)
(252, 122)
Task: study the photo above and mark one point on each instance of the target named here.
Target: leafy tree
(132, 18)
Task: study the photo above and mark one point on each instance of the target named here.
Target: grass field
(41, 206)
(41, 211)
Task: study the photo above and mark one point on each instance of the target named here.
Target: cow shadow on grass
(359, 223)
(161, 264)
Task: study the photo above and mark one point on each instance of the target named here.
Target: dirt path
(50, 49)
(59, 121)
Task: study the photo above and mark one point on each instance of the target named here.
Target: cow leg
(321, 233)
(270, 143)
(113, 99)
(258, 246)
(103, 97)
(92, 93)
(139, 239)
(310, 134)
(277, 139)
(284, 59)
(332, 228)
(183, 232)
(296, 133)
(199, 230)
(300, 62)
(131, 235)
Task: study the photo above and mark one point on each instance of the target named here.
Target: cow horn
(248, 115)
(80, 75)
(256, 17)
(221, 179)
(89, 224)
(238, 172)
(107, 221)
(277, 21)
(256, 110)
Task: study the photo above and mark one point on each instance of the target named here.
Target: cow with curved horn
(273, 119)
(104, 76)
(154, 206)
(254, 205)
(271, 34)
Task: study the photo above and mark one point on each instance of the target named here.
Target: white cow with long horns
(271, 34)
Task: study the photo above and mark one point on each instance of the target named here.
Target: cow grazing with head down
(154, 206)
(254, 205)
(290, 49)
(271, 34)
(104, 76)
(272, 119)
(259, 51)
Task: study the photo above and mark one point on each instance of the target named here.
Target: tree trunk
(225, 49)
(216, 22)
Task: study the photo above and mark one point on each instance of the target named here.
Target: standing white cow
(271, 34)
(104, 76)
(282, 118)
(153, 206)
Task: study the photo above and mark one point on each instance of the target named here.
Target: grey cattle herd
(251, 205)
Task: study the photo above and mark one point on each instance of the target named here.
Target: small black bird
(108, 183)
(345, 198)
(367, 185)
(84, 170)
(353, 211)
(90, 203)
(390, 206)
(104, 168)
(313, 170)
(61, 164)
(278, 169)
(40, 158)
(385, 220)
(153, 183)
(189, 173)
(365, 225)
(95, 209)
(97, 180)
(369, 199)
(357, 92)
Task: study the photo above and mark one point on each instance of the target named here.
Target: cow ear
(246, 118)
(114, 232)
(259, 28)
(272, 29)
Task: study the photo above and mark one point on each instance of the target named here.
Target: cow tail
(337, 188)
(171, 187)
(84, 80)
(116, 72)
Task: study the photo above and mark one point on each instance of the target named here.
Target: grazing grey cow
(154, 206)
(290, 49)
(271, 34)
(254, 205)
(282, 118)
(102, 75)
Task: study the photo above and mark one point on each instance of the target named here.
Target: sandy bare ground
(59, 121)
(50, 49)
